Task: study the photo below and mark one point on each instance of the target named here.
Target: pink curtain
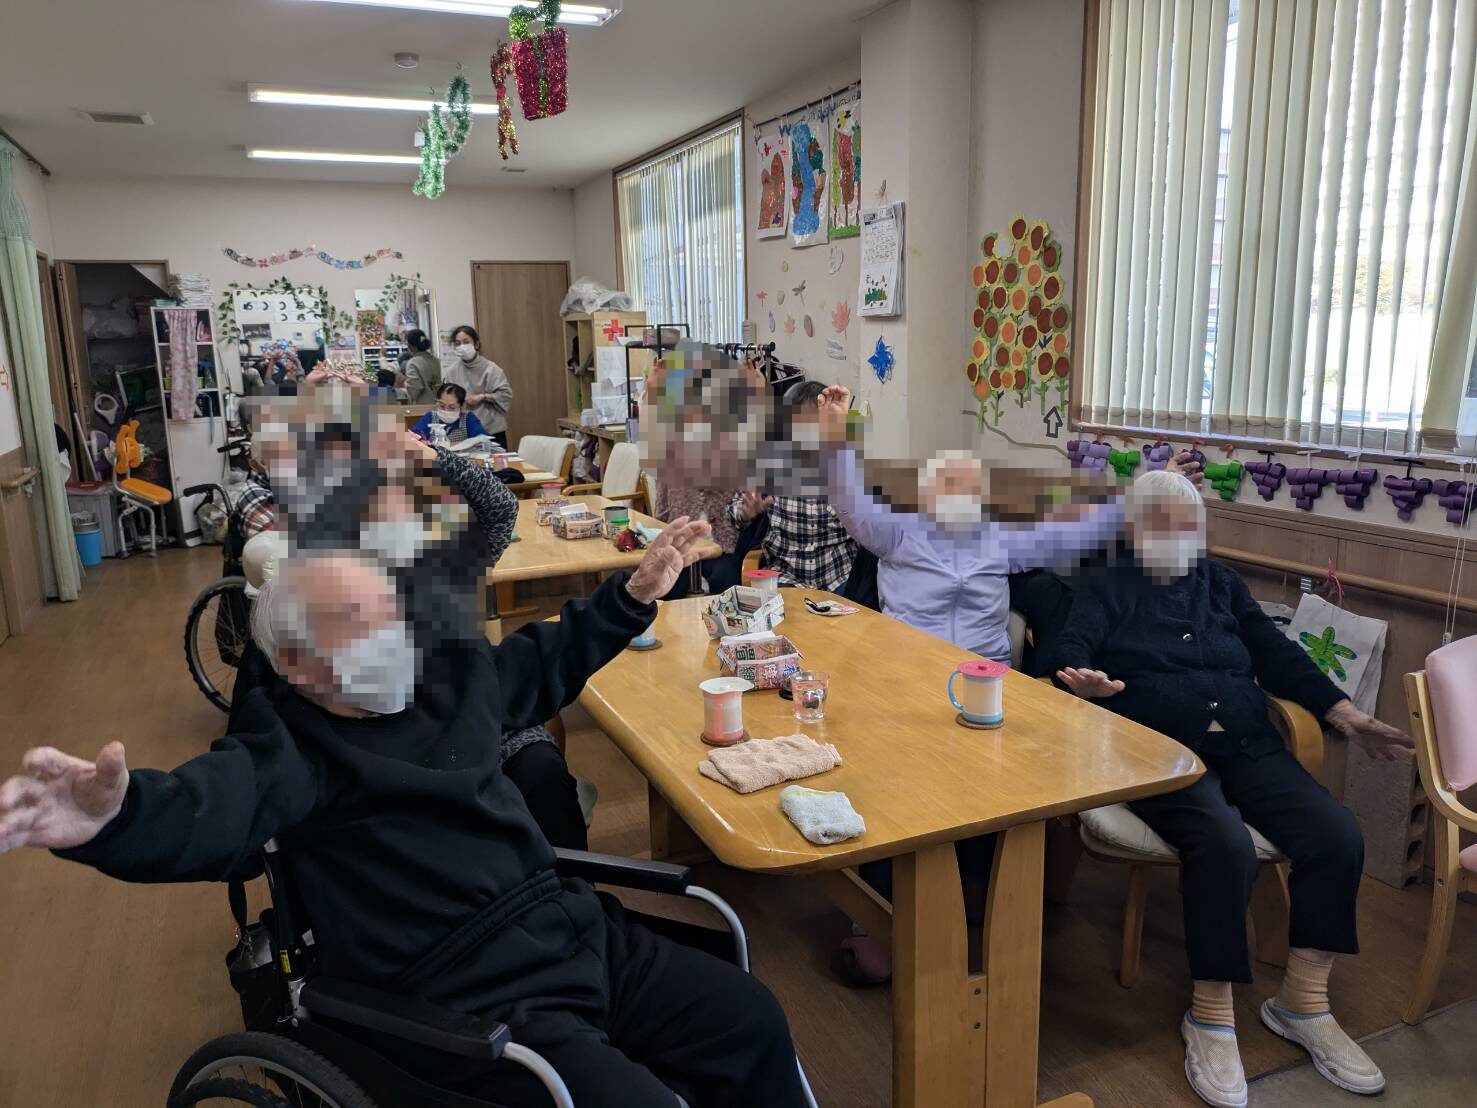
(183, 365)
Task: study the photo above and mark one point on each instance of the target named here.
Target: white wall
(188, 221)
(765, 259)
(594, 231)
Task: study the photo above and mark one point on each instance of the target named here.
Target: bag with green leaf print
(1348, 648)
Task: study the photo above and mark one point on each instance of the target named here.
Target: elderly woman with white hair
(1176, 642)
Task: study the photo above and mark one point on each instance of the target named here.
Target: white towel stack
(192, 290)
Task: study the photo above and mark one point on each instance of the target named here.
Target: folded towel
(757, 764)
(823, 818)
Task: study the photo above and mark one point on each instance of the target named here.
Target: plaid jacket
(256, 507)
(806, 542)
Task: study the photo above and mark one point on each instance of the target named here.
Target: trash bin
(90, 544)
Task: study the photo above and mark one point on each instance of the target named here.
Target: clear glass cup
(808, 690)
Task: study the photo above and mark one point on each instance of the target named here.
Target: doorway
(517, 308)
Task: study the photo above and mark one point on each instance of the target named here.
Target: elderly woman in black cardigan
(1177, 643)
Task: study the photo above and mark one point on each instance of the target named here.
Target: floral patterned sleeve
(495, 507)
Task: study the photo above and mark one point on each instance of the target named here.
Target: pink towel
(757, 764)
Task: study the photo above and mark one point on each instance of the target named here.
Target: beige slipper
(1336, 1056)
(1213, 1063)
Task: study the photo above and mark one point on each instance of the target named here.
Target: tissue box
(741, 610)
(545, 510)
(581, 525)
(764, 660)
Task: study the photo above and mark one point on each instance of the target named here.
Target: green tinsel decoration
(459, 107)
(440, 143)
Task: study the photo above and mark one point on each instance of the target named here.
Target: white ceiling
(659, 69)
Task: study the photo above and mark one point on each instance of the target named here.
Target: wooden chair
(1115, 834)
(1443, 721)
(622, 479)
(549, 453)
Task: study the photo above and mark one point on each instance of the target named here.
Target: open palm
(672, 552)
(61, 801)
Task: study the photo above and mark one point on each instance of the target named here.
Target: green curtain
(20, 307)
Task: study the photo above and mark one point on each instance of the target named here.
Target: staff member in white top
(489, 395)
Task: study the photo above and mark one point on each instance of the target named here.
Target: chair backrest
(127, 452)
(1451, 678)
(548, 452)
(622, 474)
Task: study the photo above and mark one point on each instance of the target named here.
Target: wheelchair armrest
(405, 1018)
(627, 873)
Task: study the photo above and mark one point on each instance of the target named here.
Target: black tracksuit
(420, 870)
(1198, 650)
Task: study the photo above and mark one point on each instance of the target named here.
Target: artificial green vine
(439, 143)
(306, 297)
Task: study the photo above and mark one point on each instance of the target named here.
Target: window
(682, 235)
(1281, 235)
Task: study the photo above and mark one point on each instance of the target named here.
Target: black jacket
(415, 859)
(1194, 650)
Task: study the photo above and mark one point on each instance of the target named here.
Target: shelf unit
(194, 440)
(584, 333)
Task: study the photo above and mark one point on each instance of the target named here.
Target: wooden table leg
(1012, 966)
(938, 1029)
(671, 839)
(507, 601)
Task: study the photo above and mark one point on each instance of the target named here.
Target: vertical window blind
(682, 235)
(1281, 238)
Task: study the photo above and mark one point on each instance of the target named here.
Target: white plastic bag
(1348, 648)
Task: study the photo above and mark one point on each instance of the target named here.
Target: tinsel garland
(439, 144)
(540, 61)
(507, 135)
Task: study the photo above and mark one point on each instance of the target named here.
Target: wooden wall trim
(1349, 530)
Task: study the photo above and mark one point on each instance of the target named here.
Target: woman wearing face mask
(488, 393)
(944, 570)
(450, 414)
(422, 369)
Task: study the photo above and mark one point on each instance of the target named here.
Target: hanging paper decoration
(772, 154)
(841, 316)
(882, 361)
(809, 183)
(1022, 322)
(1456, 498)
(1407, 492)
(1353, 485)
(540, 61)
(1088, 455)
(846, 172)
(789, 325)
(442, 141)
(1124, 462)
(1267, 476)
(311, 252)
(502, 69)
(1306, 486)
(1225, 478)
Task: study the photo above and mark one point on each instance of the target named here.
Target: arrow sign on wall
(1052, 422)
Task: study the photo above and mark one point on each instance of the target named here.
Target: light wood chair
(1443, 721)
(549, 453)
(622, 480)
(1115, 834)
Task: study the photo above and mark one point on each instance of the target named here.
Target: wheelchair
(299, 1048)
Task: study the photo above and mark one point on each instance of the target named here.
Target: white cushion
(1117, 831)
(623, 471)
(545, 452)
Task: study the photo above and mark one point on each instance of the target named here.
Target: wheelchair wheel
(216, 633)
(265, 1071)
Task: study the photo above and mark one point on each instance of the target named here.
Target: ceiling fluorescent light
(258, 94)
(333, 156)
(590, 15)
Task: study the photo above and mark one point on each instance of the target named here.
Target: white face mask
(958, 510)
(1170, 555)
(398, 541)
(466, 351)
(807, 436)
(444, 416)
(376, 672)
(697, 434)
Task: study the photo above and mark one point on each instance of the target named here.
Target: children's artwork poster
(772, 155)
(846, 171)
(810, 222)
(1022, 322)
(882, 261)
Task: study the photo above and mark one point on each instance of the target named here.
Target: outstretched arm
(871, 524)
(200, 822)
(1054, 542)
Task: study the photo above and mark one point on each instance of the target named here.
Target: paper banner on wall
(882, 261)
(846, 171)
(810, 190)
(772, 171)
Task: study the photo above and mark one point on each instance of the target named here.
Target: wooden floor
(107, 987)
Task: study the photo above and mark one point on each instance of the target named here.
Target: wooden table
(607, 434)
(921, 782)
(540, 554)
(533, 477)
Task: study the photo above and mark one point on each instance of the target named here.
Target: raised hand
(673, 551)
(1090, 684)
(61, 801)
(1380, 739)
(834, 403)
(1185, 465)
(754, 504)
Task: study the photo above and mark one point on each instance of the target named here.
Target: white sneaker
(1213, 1063)
(1336, 1056)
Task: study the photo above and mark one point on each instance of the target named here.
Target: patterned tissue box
(741, 610)
(546, 511)
(764, 661)
(585, 525)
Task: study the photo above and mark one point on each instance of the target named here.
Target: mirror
(280, 341)
(381, 318)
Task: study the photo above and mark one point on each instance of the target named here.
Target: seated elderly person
(413, 855)
(1177, 643)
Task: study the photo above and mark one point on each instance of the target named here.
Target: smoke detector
(143, 119)
(406, 60)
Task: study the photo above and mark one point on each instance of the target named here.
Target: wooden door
(78, 368)
(517, 306)
(22, 590)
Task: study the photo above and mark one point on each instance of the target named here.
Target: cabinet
(584, 334)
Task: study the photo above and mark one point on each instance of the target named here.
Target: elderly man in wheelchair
(429, 945)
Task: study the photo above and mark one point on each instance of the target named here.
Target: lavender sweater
(952, 582)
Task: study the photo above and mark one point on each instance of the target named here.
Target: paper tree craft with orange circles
(1022, 322)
